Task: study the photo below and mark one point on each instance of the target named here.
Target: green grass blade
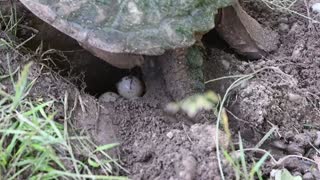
(72, 175)
(36, 109)
(258, 165)
(20, 86)
(18, 173)
(106, 147)
(234, 164)
(266, 136)
(243, 159)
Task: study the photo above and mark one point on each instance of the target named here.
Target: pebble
(226, 64)
(283, 19)
(172, 108)
(297, 173)
(284, 27)
(308, 176)
(48, 80)
(295, 149)
(108, 97)
(279, 145)
(297, 50)
(190, 166)
(294, 28)
(317, 140)
(316, 8)
(170, 135)
(302, 139)
(130, 87)
(295, 97)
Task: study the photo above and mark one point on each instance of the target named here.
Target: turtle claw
(244, 34)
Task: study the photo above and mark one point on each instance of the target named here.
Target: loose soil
(155, 144)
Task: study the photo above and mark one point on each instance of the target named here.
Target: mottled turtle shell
(146, 27)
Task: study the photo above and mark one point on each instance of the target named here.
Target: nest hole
(213, 40)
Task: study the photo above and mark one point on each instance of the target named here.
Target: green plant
(34, 146)
(284, 174)
(238, 161)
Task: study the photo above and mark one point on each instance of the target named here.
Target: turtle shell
(143, 27)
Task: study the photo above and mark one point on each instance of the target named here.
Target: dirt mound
(286, 93)
(155, 144)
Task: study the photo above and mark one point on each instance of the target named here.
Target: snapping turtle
(122, 32)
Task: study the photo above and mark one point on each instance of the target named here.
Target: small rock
(308, 176)
(316, 173)
(297, 50)
(226, 64)
(294, 28)
(297, 173)
(284, 27)
(279, 144)
(302, 139)
(48, 80)
(293, 148)
(294, 97)
(283, 19)
(108, 97)
(170, 135)
(172, 108)
(189, 168)
(317, 140)
(316, 8)
(130, 87)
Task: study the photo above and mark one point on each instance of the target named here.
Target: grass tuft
(34, 146)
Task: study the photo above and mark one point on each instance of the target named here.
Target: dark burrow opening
(212, 39)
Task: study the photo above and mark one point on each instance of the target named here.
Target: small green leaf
(106, 147)
(242, 158)
(256, 168)
(93, 163)
(192, 105)
(284, 174)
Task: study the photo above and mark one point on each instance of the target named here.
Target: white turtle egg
(130, 87)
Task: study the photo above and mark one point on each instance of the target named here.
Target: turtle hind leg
(182, 72)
